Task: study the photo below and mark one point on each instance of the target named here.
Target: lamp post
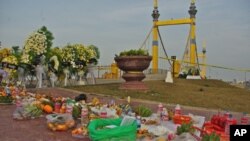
(173, 58)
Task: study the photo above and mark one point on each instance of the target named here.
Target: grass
(211, 94)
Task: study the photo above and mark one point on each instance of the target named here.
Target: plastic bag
(98, 132)
(60, 122)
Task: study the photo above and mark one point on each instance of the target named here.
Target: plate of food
(159, 130)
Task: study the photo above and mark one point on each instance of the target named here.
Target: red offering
(180, 119)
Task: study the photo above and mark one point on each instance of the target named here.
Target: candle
(128, 99)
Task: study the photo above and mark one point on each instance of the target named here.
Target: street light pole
(173, 58)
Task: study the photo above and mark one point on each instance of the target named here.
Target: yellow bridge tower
(192, 40)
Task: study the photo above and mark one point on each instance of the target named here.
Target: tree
(48, 34)
(49, 40)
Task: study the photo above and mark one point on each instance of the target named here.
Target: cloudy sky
(116, 25)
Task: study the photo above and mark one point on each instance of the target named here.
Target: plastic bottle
(112, 103)
(177, 110)
(84, 115)
(244, 120)
(160, 109)
(138, 121)
(103, 113)
(57, 107)
(164, 115)
(226, 114)
(69, 106)
(18, 102)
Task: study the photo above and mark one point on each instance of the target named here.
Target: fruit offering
(6, 99)
(60, 122)
(80, 132)
(180, 119)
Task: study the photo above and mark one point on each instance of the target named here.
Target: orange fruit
(48, 109)
(61, 127)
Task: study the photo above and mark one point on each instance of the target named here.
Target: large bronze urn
(133, 67)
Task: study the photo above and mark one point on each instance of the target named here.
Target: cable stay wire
(145, 41)
(186, 49)
(197, 57)
(164, 49)
(213, 66)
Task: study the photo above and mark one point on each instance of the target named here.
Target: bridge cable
(163, 46)
(144, 42)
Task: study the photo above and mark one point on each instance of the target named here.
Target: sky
(117, 25)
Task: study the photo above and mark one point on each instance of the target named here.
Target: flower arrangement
(10, 59)
(36, 42)
(34, 46)
(12, 63)
(4, 52)
(78, 54)
(38, 50)
(67, 54)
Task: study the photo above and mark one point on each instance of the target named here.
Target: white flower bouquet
(77, 55)
(36, 43)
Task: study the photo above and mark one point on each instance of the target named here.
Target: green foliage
(211, 137)
(143, 111)
(49, 36)
(135, 52)
(95, 48)
(97, 54)
(16, 52)
(185, 128)
(49, 39)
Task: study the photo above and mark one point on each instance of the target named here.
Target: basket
(180, 119)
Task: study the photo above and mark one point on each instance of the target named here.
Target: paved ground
(36, 130)
(30, 130)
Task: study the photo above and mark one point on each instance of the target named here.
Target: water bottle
(177, 110)
(57, 107)
(112, 103)
(69, 106)
(104, 113)
(18, 102)
(138, 121)
(244, 119)
(160, 109)
(164, 115)
(84, 115)
(226, 114)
